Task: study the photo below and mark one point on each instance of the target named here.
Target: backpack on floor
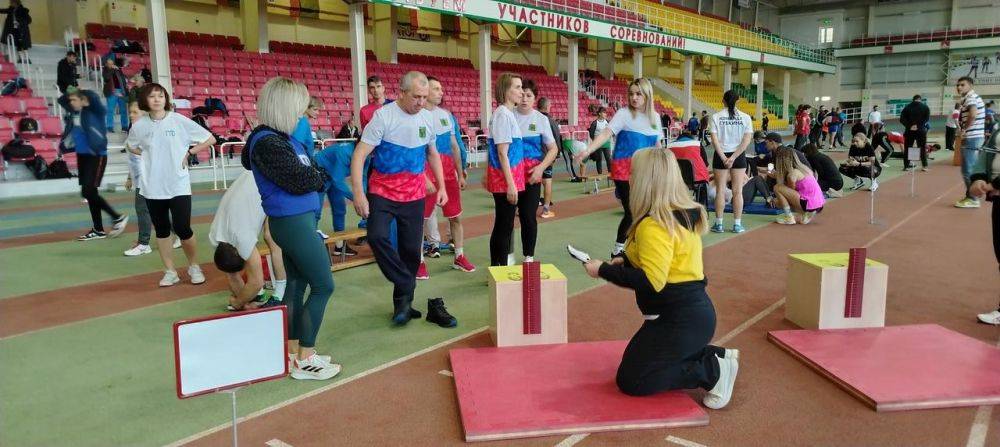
(58, 169)
(39, 167)
(17, 148)
(27, 125)
(12, 86)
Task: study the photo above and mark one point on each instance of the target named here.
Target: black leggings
(91, 171)
(604, 152)
(996, 230)
(621, 191)
(673, 351)
(501, 239)
(173, 213)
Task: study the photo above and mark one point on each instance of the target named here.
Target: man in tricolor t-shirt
(403, 141)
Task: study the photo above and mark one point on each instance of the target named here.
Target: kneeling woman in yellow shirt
(662, 262)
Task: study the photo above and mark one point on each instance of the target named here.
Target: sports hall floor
(86, 354)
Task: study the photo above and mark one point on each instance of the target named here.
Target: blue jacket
(693, 124)
(92, 123)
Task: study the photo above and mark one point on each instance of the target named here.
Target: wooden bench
(340, 236)
(592, 184)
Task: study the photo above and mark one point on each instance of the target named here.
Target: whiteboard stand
(913, 156)
(232, 392)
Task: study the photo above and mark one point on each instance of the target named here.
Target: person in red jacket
(803, 124)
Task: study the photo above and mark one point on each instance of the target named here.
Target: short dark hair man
(67, 75)
(914, 118)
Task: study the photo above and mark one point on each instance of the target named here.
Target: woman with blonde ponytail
(662, 263)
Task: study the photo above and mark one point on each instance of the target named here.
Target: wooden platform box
(507, 307)
(817, 290)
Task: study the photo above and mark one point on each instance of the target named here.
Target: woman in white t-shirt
(635, 128)
(505, 168)
(731, 132)
(166, 139)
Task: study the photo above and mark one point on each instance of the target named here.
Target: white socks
(459, 251)
(279, 288)
(738, 222)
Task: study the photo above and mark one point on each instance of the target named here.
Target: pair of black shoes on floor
(437, 313)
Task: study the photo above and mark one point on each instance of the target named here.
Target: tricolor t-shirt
(400, 140)
(633, 131)
(443, 131)
(504, 129)
(536, 133)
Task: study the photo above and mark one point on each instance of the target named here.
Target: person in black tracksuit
(914, 118)
(985, 181)
(66, 74)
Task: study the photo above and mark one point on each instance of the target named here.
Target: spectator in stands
(862, 163)
(547, 202)
(16, 25)
(450, 154)
(950, 126)
(662, 263)
(972, 131)
(400, 135)
(115, 90)
(914, 117)
(830, 180)
(350, 130)
(85, 134)
(875, 123)
(764, 122)
(604, 151)
(238, 222)
(731, 133)
(796, 188)
(665, 123)
(288, 181)
(803, 125)
(635, 128)
(167, 139)
(703, 126)
(693, 125)
(138, 82)
(66, 74)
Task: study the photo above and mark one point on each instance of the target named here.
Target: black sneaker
(92, 235)
(438, 314)
(432, 251)
(576, 180)
(271, 302)
(345, 250)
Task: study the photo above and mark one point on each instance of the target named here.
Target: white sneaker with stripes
(314, 368)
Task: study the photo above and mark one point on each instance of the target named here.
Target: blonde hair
(656, 190)
(504, 81)
(785, 161)
(281, 102)
(315, 103)
(646, 88)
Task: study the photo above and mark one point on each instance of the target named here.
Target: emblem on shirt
(170, 133)
(422, 132)
(444, 122)
(532, 128)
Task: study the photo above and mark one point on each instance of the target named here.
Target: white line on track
(981, 424)
(445, 372)
(277, 443)
(331, 386)
(683, 442)
(572, 440)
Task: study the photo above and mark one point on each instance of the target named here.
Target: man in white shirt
(972, 132)
(874, 121)
(234, 232)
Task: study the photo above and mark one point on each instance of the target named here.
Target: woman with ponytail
(731, 132)
(634, 127)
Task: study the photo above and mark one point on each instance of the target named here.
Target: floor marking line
(907, 218)
(277, 443)
(571, 440)
(752, 321)
(445, 372)
(980, 424)
(331, 386)
(683, 442)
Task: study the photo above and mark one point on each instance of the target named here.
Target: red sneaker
(462, 263)
(422, 271)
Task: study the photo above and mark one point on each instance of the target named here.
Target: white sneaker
(991, 318)
(529, 259)
(138, 250)
(874, 186)
(197, 277)
(807, 217)
(291, 359)
(720, 395)
(177, 243)
(119, 226)
(169, 278)
(732, 353)
(314, 368)
(322, 234)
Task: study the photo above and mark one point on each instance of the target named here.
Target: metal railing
(666, 19)
(933, 35)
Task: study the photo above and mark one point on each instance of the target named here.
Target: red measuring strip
(855, 282)
(531, 294)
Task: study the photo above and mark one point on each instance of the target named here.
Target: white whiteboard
(226, 351)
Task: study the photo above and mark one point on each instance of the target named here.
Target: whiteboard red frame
(177, 353)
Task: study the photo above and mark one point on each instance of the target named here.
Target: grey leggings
(142, 214)
(307, 263)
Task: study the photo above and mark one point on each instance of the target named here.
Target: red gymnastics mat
(901, 367)
(543, 390)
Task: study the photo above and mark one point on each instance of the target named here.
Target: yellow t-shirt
(665, 258)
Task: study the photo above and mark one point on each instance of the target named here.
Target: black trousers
(800, 140)
(91, 171)
(621, 191)
(173, 213)
(996, 230)
(399, 266)
(673, 351)
(502, 237)
(949, 138)
(604, 152)
(855, 172)
(919, 137)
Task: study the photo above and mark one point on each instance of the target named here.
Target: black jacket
(21, 33)
(109, 82)
(555, 131)
(66, 74)
(915, 113)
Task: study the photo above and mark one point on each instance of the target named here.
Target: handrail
(933, 35)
